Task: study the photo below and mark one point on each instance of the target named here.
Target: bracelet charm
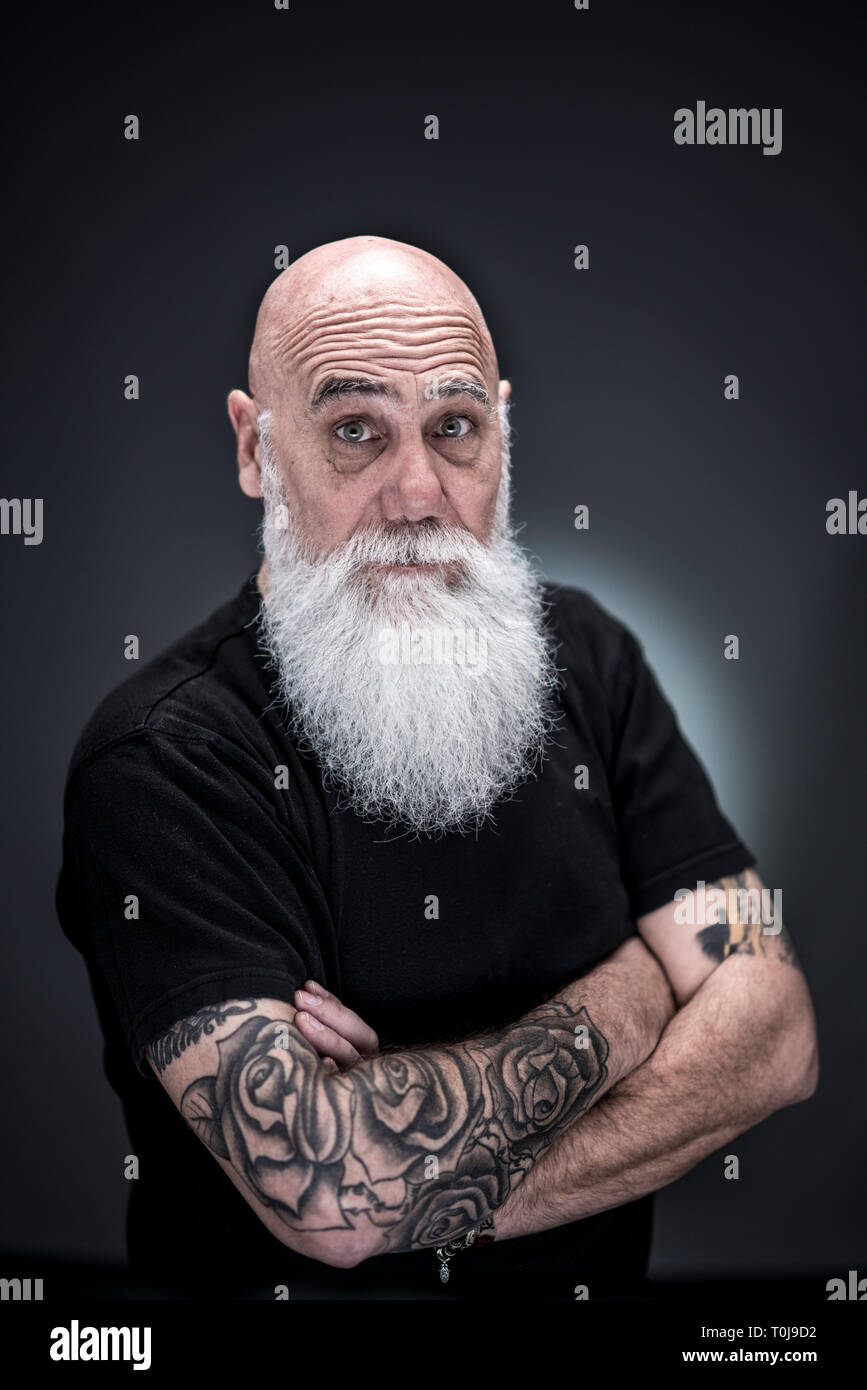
(450, 1249)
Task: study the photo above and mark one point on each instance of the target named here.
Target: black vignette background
(263, 128)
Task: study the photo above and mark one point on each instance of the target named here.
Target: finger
(328, 1008)
(321, 1038)
(326, 1041)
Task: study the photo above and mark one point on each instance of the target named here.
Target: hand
(342, 1038)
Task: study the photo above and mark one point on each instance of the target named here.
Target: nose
(413, 490)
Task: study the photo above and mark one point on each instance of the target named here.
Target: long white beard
(426, 696)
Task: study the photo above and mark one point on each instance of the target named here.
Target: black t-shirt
(246, 889)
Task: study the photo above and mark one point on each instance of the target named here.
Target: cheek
(335, 514)
(326, 504)
(474, 499)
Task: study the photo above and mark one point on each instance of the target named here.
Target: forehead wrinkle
(321, 331)
(374, 333)
(390, 356)
(330, 313)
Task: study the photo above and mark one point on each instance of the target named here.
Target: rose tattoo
(423, 1144)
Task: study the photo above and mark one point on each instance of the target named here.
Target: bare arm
(742, 1046)
(410, 1148)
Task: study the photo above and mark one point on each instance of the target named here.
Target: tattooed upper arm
(708, 922)
(745, 916)
(169, 1046)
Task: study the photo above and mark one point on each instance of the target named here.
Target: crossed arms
(741, 1045)
(606, 1091)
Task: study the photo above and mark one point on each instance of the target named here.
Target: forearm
(724, 1063)
(443, 1135)
(410, 1148)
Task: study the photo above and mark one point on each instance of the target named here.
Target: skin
(371, 307)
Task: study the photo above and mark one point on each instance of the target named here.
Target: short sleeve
(671, 827)
(184, 884)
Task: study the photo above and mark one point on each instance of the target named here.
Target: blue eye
(450, 433)
(357, 432)
(357, 437)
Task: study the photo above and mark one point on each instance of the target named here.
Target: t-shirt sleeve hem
(213, 988)
(712, 864)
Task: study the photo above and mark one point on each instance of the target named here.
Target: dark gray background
(707, 517)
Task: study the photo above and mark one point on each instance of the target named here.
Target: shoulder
(204, 686)
(591, 641)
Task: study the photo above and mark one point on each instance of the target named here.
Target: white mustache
(421, 544)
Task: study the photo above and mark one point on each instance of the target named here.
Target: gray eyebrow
(336, 386)
(459, 386)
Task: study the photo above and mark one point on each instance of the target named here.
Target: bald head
(395, 296)
(373, 367)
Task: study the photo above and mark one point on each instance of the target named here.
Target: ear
(243, 414)
(505, 390)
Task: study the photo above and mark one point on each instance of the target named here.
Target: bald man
(422, 950)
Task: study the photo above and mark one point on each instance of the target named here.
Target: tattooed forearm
(190, 1030)
(743, 908)
(422, 1144)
